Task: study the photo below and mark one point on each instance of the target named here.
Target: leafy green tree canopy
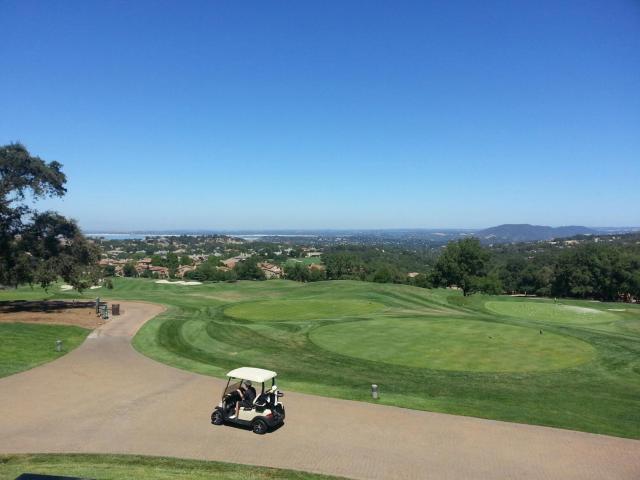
(297, 271)
(249, 270)
(39, 247)
(461, 264)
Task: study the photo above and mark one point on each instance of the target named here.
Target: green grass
(27, 345)
(453, 344)
(303, 309)
(108, 467)
(427, 349)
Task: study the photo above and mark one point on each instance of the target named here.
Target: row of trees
(598, 271)
(376, 264)
(588, 270)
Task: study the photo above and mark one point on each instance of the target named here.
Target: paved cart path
(104, 397)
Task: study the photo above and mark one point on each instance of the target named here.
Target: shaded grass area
(599, 394)
(108, 467)
(24, 345)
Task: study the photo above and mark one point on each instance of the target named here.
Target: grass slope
(24, 345)
(106, 467)
(581, 373)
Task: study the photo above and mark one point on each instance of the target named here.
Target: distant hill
(530, 233)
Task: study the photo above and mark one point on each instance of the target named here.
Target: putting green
(303, 309)
(453, 344)
(554, 312)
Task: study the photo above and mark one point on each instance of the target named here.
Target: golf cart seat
(261, 400)
(266, 397)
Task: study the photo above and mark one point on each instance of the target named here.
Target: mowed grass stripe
(300, 310)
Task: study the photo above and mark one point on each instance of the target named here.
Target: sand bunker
(66, 288)
(573, 308)
(179, 282)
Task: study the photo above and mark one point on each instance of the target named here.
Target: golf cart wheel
(217, 418)
(259, 426)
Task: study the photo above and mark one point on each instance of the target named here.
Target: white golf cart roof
(254, 374)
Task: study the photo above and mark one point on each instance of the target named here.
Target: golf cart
(262, 413)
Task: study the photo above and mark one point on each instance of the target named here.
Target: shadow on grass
(47, 306)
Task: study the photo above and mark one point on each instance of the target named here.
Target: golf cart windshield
(231, 388)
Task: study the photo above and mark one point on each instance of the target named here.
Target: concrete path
(104, 397)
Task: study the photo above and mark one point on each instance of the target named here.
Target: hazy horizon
(327, 229)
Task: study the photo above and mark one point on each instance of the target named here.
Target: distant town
(166, 257)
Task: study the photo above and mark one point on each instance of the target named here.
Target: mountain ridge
(525, 232)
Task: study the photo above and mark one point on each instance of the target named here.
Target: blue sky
(345, 114)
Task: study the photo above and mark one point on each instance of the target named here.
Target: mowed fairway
(426, 349)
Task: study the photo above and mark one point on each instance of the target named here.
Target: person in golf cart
(246, 394)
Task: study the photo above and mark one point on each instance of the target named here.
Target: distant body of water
(118, 236)
(258, 236)
(143, 235)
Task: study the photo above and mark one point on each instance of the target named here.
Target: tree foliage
(211, 271)
(462, 264)
(249, 270)
(39, 247)
(129, 270)
(344, 266)
(297, 271)
(593, 270)
(388, 274)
